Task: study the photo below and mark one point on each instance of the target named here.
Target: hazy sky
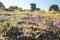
(25, 4)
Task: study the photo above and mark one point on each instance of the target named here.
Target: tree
(54, 7)
(2, 6)
(33, 6)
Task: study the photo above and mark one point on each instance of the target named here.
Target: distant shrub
(54, 7)
(38, 9)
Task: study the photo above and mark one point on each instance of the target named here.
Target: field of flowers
(26, 25)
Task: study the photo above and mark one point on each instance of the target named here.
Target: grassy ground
(44, 28)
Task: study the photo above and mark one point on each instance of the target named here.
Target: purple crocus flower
(36, 19)
(28, 20)
(59, 23)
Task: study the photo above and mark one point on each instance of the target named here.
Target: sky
(25, 4)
